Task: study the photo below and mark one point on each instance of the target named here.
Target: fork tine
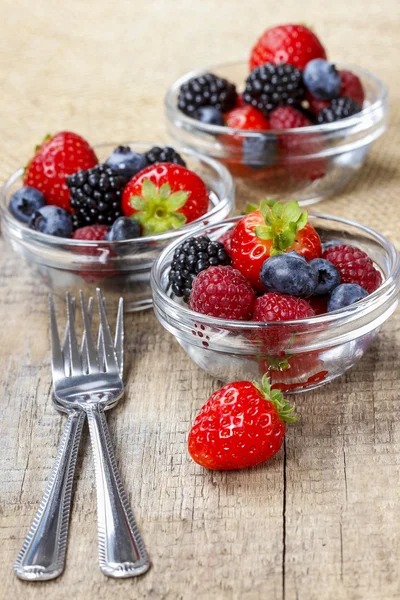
(100, 345)
(83, 346)
(65, 348)
(57, 363)
(119, 336)
(106, 339)
(88, 348)
(74, 356)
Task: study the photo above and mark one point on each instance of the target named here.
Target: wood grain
(321, 520)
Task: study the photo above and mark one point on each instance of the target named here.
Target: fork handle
(42, 555)
(121, 548)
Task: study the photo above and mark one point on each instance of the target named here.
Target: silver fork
(91, 383)
(42, 555)
(88, 382)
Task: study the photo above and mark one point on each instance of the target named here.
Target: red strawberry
(293, 44)
(246, 117)
(298, 372)
(278, 307)
(351, 87)
(165, 196)
(273, 229)
(59, 156)
(287, 117)
(241, 425)
(222, 292)
(354, 266)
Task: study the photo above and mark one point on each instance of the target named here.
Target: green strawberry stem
(286, 411)
(282, 222)
(157, 208)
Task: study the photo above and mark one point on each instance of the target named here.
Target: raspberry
(351, 87)
(287, 117)
(315, 105)
(222, 292)
(354, 266)
(278, 307)
(90, 233)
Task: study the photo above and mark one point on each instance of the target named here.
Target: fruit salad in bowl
(85, 216)
(277, 292)
(288, 121)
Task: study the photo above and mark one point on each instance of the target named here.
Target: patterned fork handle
(42, 555)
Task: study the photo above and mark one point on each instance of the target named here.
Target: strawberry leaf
(264, 232)
(176, 200)
(165, 191)
(137, 202)
(149, 190)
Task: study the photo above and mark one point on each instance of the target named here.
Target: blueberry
(322, 79)
(124, 228)
(126, 162)
(24, 202)
(209, 115)
(52, 220)
(288, 274)
(331, 243)
(260, 151)
(327, 275)
(345, 294)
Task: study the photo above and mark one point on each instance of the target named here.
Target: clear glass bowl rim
(390, 287)
(37, 236)
(174, 114)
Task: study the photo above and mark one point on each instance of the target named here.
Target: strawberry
(351, 87)
(58, 156)
(246, 117)
(241, 425)
(293, 44)
(165, 196)
(354, 266)
(273, 229)
(298, 372)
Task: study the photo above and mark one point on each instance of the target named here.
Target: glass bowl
(298, 355)
(306, 164)
(120, 268)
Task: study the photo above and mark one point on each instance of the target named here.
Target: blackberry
(339, 108)
(95, 196)
(269, 86)
(164, 155)
(191, 257)
(207, 90)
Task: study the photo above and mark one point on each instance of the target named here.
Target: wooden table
(321, 520)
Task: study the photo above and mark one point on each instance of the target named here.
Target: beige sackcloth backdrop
(321, 520)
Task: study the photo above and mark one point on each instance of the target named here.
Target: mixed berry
(288, 69)
(67, 193)
(271, 267)
(290, 84)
